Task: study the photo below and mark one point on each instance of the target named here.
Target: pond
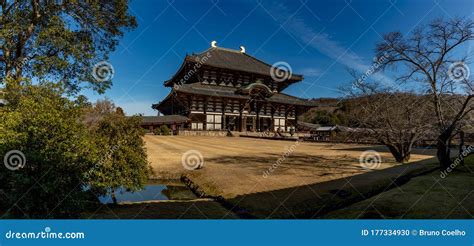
(157, 190)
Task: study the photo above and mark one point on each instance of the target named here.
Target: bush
(63, 154)
(165, 130)
(57, 148)
(124, 162)
(157, 131)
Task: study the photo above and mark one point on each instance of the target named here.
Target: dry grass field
(235, 166)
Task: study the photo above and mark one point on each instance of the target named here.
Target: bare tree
(393, 118)
(432, 57)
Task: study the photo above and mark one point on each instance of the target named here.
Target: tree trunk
(443, 149)
(461, 146)
(405, 157)
(400, 154)
(114, 198)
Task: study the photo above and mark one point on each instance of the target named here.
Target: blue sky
(319, 39)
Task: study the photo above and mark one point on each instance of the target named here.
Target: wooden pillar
(190, 103)
(256, 124)
(223, 122)
(204, 125)
(240, 116)
(272, 123)
(224, 105)
(296, 119)
(259, 125)
(286, 118)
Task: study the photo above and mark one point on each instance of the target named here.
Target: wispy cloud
(310, 72)
(322, 42)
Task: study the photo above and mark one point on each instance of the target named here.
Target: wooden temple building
(225, 89)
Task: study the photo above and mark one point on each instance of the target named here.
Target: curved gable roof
(236, 60)
(233, 60)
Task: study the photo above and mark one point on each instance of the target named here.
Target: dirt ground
(235, 166)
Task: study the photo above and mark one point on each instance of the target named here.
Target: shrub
(157, 131)
(57, 149)
(165, 130)
(63, 154)
(124, 162)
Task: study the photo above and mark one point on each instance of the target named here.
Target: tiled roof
(164, 119)
(308, 125)
(235, 60)
(221, 91)
(326, 128)
(317, 127)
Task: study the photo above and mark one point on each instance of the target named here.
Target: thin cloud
(322, 42)
(310, 72)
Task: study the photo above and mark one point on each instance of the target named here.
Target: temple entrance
(250, 124)
(265, 124)
(231, 122)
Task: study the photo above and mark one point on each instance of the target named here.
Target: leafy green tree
(57, 147)
(65, 42)
(69, 161)
(328, 118)
(61, 41)
(124, 161)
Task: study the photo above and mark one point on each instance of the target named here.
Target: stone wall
(234, 133)
(203, 133)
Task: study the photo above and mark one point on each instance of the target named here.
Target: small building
(224, 89)
(307, 127)
(335, 133)
(316, 130)
(173, 122)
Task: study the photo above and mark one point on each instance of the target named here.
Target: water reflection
(155, 190)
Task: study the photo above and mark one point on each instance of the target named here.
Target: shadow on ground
(383, 149)
(163, 210)
(433, 196)
(314, 200)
